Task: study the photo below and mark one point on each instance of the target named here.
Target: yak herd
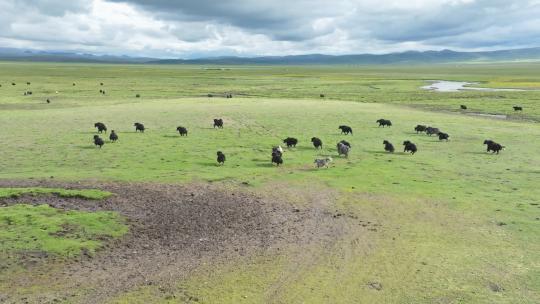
(343, 147)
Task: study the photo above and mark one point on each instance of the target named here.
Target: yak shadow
(89, 147)
(479, 153)
(377, 152)
(209, 164)
(307, 148)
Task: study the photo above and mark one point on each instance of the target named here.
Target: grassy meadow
(457, 225)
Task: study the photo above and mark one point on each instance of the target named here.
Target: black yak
(518, 108)
(317, 143)
(463, 107)
(98, 141)
(443, 136)
(388, 147)
(420, 128)
(493, 146)
(432, 131)
(113, 137)
(290, 142)
(139, 127)
(345, 130)
(48, 100)
(409, 147)
(220, 158)
(218, 123)
(138, 96)
(277, 158)
(384, 123)
(183, 131)
(322, 95)
(101, 127)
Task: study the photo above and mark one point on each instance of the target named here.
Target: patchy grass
(27, 228)
(85, 193)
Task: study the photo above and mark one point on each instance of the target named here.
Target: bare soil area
(173, 230)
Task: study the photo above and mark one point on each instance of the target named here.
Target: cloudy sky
(199, 28)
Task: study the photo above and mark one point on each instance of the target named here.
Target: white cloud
(168, 28)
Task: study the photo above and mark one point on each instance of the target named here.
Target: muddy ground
(173, 230)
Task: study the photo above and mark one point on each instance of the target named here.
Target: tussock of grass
(27, 228)
(85, 193)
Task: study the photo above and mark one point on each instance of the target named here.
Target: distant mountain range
(11, 54)
(410, 57)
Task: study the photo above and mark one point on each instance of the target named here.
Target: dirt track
(173, 229)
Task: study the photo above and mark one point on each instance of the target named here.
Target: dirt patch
(173, 229)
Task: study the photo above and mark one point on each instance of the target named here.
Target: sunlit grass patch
(27, 228)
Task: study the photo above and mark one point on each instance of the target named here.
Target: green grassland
(455, 220)
(62, 233)
(36, 191)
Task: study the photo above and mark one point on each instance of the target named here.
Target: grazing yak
(220, 158)
(277, 149)
(323, 162)
(182, 131)
(420, 128)
(443, 136)
(113, 137)
(317, 142)
(277, 154)
(290, 142)
(463, 107)
(28, 83)
(388, 147)
(409, 147)
(74, 84)
(343, 149)
(277, 159)
(139, 127)
(218, 122)
(384, 123)
(138, 96)
(345, 130)
(98, 141)
(493, 146)
(322, 95)
(101, 127)
(228, 96)
(432, 131)
(346, 143)
(101, 83)
(48, 100)
(518, 108)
